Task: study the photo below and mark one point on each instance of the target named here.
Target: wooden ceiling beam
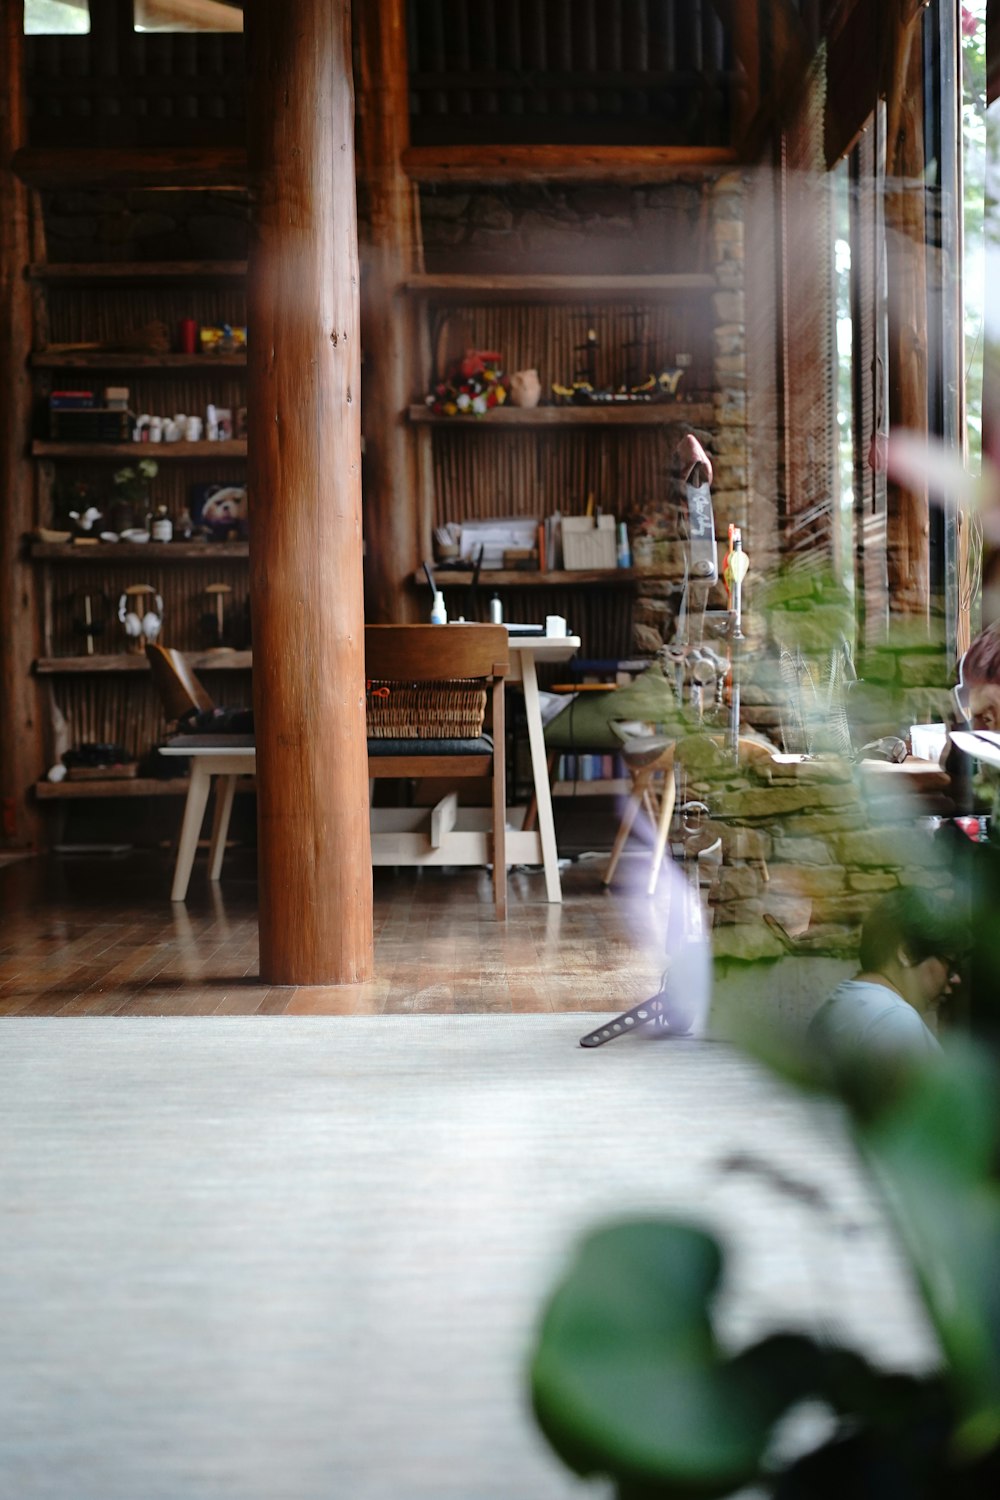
(132, 167)
(563, 163)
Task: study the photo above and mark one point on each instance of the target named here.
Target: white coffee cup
(555, 625)
(192, 429)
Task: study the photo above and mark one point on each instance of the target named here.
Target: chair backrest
(178, 687)
(428, 670)
(432, 653)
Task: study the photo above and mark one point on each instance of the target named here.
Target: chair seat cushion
(481, 745)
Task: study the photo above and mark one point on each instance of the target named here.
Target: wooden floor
(97, 935)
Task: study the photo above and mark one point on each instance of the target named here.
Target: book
(71, 400)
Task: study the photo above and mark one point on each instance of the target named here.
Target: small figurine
(86, 522)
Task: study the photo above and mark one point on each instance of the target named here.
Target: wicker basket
(426, 710)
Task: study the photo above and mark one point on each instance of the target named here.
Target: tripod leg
(663, 825)
(651, 1013)
(636, 796)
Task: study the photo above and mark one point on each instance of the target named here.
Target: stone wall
(145, 225)
(592, 230)
(811, 843)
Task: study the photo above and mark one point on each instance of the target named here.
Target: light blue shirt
(862, 1018)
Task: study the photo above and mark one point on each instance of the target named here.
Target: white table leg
(194, 813)
(540, 773)
(225, 791)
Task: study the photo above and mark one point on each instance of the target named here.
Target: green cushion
(585, 722)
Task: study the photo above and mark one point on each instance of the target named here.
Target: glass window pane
(187, 15)
(56, 17)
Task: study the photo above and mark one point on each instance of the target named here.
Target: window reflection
(56, 17)
(188, 15)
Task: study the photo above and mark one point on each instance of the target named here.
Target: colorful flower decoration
(474, 385)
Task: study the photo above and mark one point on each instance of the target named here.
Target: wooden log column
(304, 478)
(991, 346)
(391, 521)
(21, 748)
(908, 507)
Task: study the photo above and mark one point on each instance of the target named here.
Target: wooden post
(991, 344)
(304, 478)
(908, 508)
(391, 529)
(21, 747)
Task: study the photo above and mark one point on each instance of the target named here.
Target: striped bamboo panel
(632, 340)
(106, 314)
(107, 709)
(189, 617)
(480, 474)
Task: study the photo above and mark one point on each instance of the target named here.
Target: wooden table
(538, 847)
(230, 756)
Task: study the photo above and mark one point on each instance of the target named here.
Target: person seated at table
(976, 865)
(977, 694)
(907, 955)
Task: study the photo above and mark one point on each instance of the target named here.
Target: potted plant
(131, 504)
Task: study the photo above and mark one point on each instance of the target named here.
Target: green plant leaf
(628, 1380)
(933, 1153)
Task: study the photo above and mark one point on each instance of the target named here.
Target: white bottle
(156, 429)
(496, 610)
(163, 527)
(439, 615)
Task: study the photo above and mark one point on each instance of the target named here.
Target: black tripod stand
(674, 1009)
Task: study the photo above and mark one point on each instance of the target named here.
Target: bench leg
(225, 790)
(194, 813)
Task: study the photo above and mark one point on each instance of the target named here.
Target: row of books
(590, 767)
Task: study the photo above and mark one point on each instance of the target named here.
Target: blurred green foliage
(629, 1379)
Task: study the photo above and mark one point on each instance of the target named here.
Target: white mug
(192, 429)
(555, 625)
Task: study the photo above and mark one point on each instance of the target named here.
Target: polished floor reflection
(97, 935)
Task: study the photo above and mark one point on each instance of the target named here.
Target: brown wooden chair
(428, 689)
(178, 687)
(428, 686)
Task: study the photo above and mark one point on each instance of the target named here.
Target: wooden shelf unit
(538, 460)
(125, 273)
(124, 661)
(124, 786)
(161, 452)
(85, 318)
(623, 414)
(116, 552)
(54, 358)
(460, 286)
(447, 578)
